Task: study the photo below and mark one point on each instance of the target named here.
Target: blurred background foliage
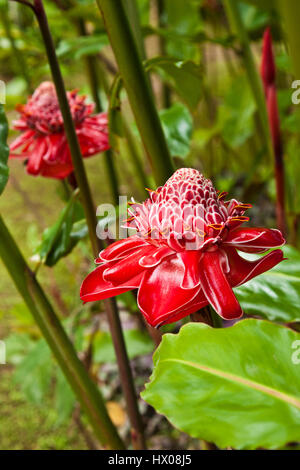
(210, 120)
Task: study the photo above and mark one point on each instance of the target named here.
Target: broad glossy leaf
(137, 344)
(178, 126)
(275, 294)
(4, 150)
(234, 386)
(185, 76)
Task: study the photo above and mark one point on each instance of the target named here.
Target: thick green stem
(237, 25)
(131, 8)
(63, 350)
(90, 214)
(92, 70)
(138, 88)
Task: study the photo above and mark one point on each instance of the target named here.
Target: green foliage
(34, 373)
(60, 239)
(275, 294)
(178, 126)
(137, 344)
(235, 119)
(184, 19)
(235, 387)
(185, 76)
(76, 48)
(64, 398)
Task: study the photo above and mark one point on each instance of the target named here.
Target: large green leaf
(236, 386)
(4, 150)
(185, 76)
(177, 123)
(275, 294)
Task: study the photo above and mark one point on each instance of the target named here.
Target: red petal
(216, 287)
(160, 294)
(94, 287)
(197, 303)
(242, 270)
(127, 267)
(151, 260)
(36, 158)
(21, 140)
(254, 240)
(121, 248)
(191, 276)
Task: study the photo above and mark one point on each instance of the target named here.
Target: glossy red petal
(157, 255)
(121, 248)
(20, 141)
(35, 160)
(196, 304)
(94, 287)
(254, 240)
(216, 286)
(191, 276)
(242, 270)
(160, 294)
(127, 267)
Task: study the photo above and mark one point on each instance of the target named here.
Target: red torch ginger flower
(43, 141)
(184, 253)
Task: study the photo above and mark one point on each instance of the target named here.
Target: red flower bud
(268, 69)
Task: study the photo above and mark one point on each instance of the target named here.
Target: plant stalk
(92, 70)
(84, 388)
(138, 89)
(87, 202)
(132, 12)
(208, 316)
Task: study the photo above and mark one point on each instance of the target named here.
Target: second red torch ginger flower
(184, 254)
(43, 142)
